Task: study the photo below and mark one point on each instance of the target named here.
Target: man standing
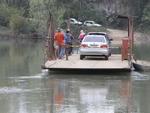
(59, 42)
(68, 41)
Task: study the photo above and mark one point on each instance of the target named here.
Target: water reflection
(140, 92)
(96, 94)
(20, 57)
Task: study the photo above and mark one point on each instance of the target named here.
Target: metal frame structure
(130, 37)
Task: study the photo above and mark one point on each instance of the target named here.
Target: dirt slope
(118, 35)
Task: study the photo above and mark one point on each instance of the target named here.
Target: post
(66, 52)
(131, 38)
(68, 23)
(50, 38)
(124, 48)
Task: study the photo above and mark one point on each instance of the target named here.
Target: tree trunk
(50, 38)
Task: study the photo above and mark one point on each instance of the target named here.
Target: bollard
(125, 48)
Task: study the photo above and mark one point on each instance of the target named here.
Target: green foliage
(13, 18)
(42, 10)
(145, 20)
(19, 24)
(142, 51)
(146, 13)
(16, 13)
(16, 23)
(22, 5)
(6, 12)
(4, 16)
(29, 27)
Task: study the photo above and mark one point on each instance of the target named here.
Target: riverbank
(6, 33)
(118, 35)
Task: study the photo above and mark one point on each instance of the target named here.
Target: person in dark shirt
(68, 41)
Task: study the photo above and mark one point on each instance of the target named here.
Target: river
(25, 88)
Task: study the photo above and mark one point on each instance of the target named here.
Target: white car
(95, 45)
(91, 23)
(100, 33)
(74, 21)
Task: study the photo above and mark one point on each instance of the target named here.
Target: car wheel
(106, 57)
(81, 57)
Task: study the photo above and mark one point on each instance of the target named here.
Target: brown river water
(26, 88)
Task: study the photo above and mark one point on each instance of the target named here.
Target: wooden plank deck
(74, 62)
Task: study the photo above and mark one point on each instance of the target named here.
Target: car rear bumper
(96, 52)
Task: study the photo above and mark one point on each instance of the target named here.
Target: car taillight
(84, 45)
(104, 46)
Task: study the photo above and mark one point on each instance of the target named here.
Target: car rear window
(96, 33)
(94, 39)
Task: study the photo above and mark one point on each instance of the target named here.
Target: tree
(22, 5)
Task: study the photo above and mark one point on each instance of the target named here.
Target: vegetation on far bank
(32, 16)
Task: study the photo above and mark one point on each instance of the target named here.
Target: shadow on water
(89, 76)
(91, 72)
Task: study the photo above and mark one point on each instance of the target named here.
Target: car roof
(94, 36)
(96, 33)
